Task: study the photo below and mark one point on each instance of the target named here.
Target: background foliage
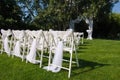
(56, 14)
(10, 14)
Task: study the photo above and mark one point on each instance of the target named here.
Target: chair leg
(28, 50)
(49, 61)
(41, 57)
(23, 55)
(77, 61)
(82, 38)
(13, 49)
(12, 53)
(10, 46)
(1, 51)
(70, 64)
(26, 61)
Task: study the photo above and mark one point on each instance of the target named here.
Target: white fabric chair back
(5, 33)
(18, 43)
(6, 41)
(18, 34)
(79, 36)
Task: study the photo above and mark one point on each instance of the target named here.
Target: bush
(107, 27)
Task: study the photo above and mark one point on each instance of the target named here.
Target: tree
(10, 14)
(56, 14)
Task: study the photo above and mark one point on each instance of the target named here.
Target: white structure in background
(90, 28)
(89, 21)
(72, 22)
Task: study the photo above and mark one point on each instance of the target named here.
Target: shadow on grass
(86, 66)
(86, 43)
(81, 48)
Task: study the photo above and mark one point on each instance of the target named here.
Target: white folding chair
(38, 43)
(69, 46)
(1, 44)
(79, 37)
(6, 41)
(19, 43)
(42, 46)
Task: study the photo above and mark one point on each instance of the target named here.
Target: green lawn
(99, 60)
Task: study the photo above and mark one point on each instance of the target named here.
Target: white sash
(57, 60)
(17, 49)
(6, 47)
(31, 57)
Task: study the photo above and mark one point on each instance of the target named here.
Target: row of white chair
(26, 43)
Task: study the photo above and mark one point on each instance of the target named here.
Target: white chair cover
(31, 57)
(78, 36)
(67, 34)
(55, 35)
(57, 60)
(6, 46)
(37, 43)
(5, 34)
(17, 49)
(18, 36)
(66, 43)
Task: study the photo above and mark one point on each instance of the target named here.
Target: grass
(99, 60)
